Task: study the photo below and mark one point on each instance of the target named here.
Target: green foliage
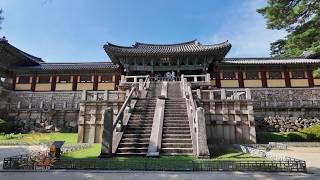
(311, 133)
(301, 19)
(316, 73)
(37, 138)
(219, 154)
(4, 126)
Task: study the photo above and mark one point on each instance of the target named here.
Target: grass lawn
(38, 138)
(311, 133)
(225, 153)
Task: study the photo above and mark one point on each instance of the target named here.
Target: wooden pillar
(264, 78)
(310, 77)
(14, 81)
(33, 83)
(287, 78)
(218, 80)
(240, 79)
(53, 82)
(95, 82)
(74, 82)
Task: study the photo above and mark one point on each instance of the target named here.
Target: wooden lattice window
(252, 75)
(229, 75)
(85, 78)
(106, 78)
(24, 80)
(275, 75)
(298, 74)
(64, 79)
(44, 79)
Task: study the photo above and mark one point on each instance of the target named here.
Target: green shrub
(311, 133)
(4, 126)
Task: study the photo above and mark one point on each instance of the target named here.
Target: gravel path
(310, 154)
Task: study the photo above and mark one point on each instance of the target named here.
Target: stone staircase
(176, 137)
(136, 136)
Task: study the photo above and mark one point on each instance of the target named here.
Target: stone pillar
(140, 84)
(106, 145)
(202, 146)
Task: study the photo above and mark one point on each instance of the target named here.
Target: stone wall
(45, 111)
(285, 109)
(229, 116)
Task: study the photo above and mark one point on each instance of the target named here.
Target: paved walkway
(103, 175)
(310, 154)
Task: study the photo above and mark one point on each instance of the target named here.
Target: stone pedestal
(106, 145)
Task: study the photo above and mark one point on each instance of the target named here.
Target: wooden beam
(240, 79)
(95, 82)
(33, 82)
(264, 78)
(310, 77)
(14, 81)
(287, 78)
(218, 80)
(74, 83)
(53, 82)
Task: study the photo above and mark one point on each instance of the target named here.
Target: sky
(76, 30)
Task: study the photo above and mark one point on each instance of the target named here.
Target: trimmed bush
(311, 133)
(4, 126)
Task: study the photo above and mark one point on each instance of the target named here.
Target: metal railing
(147, 164)
(181, 165)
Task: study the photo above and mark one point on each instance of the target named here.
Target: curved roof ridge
(217, 44)
(114, 45)
(174, 44)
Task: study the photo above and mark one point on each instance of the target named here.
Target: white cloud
(246, 31)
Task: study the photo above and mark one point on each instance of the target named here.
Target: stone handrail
(196, 118)
(124, 79)
(223, 94)
(205, 77)
(126, 104)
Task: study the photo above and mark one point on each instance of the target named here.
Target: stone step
(174, 140)
(139, 131)
(175, 125)
(176, 131)
(177, 136)
(137, 125)
(177, 150)
(135, 140)
(138, 128)
(166, 120)
(132, 154)
(176, 128)
(133, 144)
(125, 135)
(176, 145)
(132, 150)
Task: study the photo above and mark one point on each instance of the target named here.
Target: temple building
(157, 98)
(25, 72)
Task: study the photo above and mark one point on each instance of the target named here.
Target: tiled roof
(181, 49)
(270, 61)
(69, 66)
(4, 43)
